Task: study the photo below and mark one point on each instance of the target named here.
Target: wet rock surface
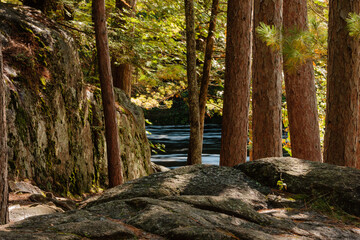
(193, 202)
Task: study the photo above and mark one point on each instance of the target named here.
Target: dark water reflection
(176, 140)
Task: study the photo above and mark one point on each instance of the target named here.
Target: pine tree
(107, 93)
(209, 49)
(122, 73)
(342, 115)
(234, 133)
(266, 85)
(300, 90)
(195, 144)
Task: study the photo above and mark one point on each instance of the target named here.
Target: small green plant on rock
(281, 184)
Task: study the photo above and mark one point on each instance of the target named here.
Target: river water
(176, 140)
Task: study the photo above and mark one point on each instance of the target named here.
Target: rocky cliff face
(55, 120)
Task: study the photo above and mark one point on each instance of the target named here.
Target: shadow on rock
(193, 202)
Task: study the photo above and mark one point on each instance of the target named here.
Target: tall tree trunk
(4, 190)
(107, 93)
(234, 133)
(267, 75)
(301, 93)
(122, 73)
(207, 64)
(195, 146)
(342, 112)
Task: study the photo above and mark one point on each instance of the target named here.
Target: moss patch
(323, 204)
(22, 124)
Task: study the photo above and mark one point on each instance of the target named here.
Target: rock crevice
(198, 202)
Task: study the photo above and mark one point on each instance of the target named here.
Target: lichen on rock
(192, 202)
(55, 120)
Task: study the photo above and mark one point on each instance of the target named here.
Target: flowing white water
(176, 140)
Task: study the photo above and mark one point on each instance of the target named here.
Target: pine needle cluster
(297, 46)
(353, 24)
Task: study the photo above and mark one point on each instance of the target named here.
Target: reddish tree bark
(107, 93)
(342, 112)
(122, 73)
(4, 189)
(207, 64)
(267, 76)
(195, 144)
(300, 92)
(234, 133)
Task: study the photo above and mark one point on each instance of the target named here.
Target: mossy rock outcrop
(55, 120)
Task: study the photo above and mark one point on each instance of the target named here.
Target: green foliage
(160, 53)
(297, 46)
(353, 24)
(281, 184)
(270, 35)
(153, 40)
(12, 1)
(155, 147)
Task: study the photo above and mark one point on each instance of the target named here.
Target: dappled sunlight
(299, 167)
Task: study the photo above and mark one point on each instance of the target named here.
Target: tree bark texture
(4, 189)
(207, 64)
(195, 145)
(267, 76)
(107, 93)
(234, 133)
(122, 73)
(301, 93)
(342, 112)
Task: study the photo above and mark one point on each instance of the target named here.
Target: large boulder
(340, 185)
(55, 120)
(193, 202)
